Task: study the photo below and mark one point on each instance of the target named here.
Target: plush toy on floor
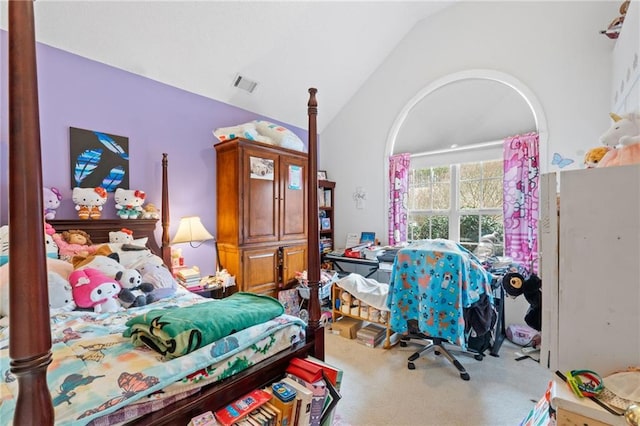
(515, 284)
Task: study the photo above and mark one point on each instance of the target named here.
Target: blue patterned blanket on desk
(432, 281)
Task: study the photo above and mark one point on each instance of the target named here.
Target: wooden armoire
(261, 213)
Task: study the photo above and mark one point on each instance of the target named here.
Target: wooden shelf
(336, 313)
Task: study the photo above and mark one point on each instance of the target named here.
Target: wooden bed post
(30, 341)
(313, 268)
(166, 245)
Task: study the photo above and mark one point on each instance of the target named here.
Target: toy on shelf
(594, 155)
(150, 211)
(129, 203)
(51, 198)
(89, 201)
(624, 137)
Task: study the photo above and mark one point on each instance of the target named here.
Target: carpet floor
(379, 389)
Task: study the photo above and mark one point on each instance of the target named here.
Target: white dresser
(590, 269)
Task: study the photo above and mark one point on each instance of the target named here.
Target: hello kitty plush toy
(51, 199)
(123, 236)
(93, 289)
(129, 203)
(89, 201)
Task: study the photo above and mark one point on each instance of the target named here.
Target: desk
(365, 267)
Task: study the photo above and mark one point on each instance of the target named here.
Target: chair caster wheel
(403, 344)
(411, 366)
(478, 357)
(465, 376)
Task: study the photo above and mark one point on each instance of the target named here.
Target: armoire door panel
(260, 196)
(294, 259)
(260, 270)
(293, 198)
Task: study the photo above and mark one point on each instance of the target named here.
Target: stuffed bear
(129, 203)
(93, 289)
(515, 284)
(89, 201)
(150, 211)
(51, 198)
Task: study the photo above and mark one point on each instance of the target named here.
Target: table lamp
(191, 230)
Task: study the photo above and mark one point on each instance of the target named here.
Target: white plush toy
(160, 277)
(624, 131)
(89, 201)
(129, 203)
(124, 236)
(60, 294)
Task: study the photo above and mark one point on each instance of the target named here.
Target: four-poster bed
(30, 341)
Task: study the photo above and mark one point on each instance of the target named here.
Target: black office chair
(435, 345)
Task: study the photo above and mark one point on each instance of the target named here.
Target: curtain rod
(456, 149)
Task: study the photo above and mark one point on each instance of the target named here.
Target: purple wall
(78, 92)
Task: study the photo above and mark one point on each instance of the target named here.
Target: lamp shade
(191, 230)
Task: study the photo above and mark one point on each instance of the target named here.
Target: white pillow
(247, 131)
(280, 135)
(54, 266)
(117, 247)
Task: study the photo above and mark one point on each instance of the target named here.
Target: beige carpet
(379, 389)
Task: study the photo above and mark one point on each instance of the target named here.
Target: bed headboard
(99, 229)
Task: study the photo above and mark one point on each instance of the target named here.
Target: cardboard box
(371, 335)
(346, 327)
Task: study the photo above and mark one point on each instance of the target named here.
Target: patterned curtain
(399, 185)
(521, 199)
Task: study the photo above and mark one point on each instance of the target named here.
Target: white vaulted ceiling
(285, 46)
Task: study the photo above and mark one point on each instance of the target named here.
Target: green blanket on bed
(178, 331)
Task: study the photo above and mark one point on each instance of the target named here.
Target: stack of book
(189, 278)
(326, 245)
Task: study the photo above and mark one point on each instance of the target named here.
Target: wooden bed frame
(30, 341)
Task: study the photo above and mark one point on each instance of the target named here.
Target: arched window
(454, 131)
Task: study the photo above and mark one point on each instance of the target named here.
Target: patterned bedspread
(95, 370)
(432, 281)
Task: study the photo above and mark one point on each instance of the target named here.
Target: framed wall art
(98, 159)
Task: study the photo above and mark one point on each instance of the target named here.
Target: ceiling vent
(244, 83)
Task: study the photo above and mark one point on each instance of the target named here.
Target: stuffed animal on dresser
(89, 202)
(129, 203)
